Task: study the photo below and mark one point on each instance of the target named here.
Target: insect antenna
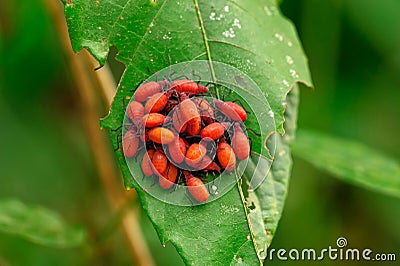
(188, 197)
(194, 74)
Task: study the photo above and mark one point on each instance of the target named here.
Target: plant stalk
(82, 68)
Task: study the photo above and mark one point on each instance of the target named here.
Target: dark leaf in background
(38, 225)
(350, 161)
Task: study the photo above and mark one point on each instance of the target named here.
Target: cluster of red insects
(184, 134)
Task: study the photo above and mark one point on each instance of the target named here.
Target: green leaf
(248, 35)
(267, 201)
(38, 225)
(154, 34)
(226, 231)
(349, 161)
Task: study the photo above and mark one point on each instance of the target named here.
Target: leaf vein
(117, 17)
(234, 45)
(147, 31)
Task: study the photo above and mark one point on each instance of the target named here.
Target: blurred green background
(354, 54)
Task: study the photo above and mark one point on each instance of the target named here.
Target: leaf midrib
(252, 235)
(206, 44)
(208, 53)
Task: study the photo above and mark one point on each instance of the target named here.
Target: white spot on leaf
(289, 60)
(229, 209)
(212, 16)
(285, 83)
(279, 36)
(167, 36)
(293, 73)
(229, 33)
(236, 23)
(268, 11)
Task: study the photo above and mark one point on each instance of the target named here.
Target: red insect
(205, 109)
(152, 120)
(161, 135)
(146, 90)
(178, 121)
(194, 126)
(195, 154)
(226, 125)
(159, 162)
(171, 104)
(187, 86)
(177, 150)
(130, 143)
(156, 103)
(204, 163)
(168, 179)
(191, 116)
(240, 143)
(213, 166)
(165, 115)
(144, 135)
(135, 111)
(147, 167)
(226, 156)
(213, 131)
(188, 110)
(231, 110)
(196, 187)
